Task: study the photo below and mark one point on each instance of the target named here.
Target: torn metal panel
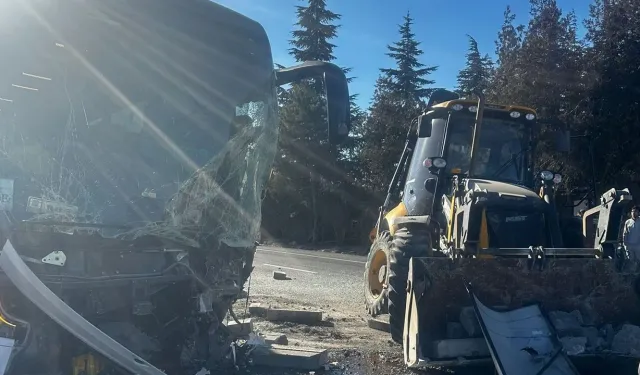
(522, 341)
(41, 296)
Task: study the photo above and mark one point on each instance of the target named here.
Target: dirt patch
(339, 329)
(354, 348)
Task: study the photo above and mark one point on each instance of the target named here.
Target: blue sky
(367, 27)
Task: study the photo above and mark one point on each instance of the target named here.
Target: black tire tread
(407, 243)
(376, 306)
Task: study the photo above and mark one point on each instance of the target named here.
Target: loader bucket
(595, 291)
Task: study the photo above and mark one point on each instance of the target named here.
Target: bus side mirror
(563, 140)
(338, 106)
(336, 92)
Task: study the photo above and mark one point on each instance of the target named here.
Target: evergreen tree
(311, 40)
(310, 176)
(507, 51)
(398, 100)
(613, 108)
(382, 137)
(409, 78)
(477, 72)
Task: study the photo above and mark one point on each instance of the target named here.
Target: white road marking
(287, 268)
(312, 256)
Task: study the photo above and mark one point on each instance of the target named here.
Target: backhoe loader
(467, 207)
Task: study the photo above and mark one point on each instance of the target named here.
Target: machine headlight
(557, 178)
(514, 114)
(434, 162)
(530, 116)
(473, 109)
(546, 175)
(439, 163)
(457, 107)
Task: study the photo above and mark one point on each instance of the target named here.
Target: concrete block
(379, 325)
(290, 358)
(276, 339)
(279, 275)
(256, 309)
(455, 348)
(240, 330)
(294, 316)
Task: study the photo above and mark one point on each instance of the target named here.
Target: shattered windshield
(113, 117)
(500, 152)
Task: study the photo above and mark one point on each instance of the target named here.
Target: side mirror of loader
(424, 125)
(563, 140)
(425, 121)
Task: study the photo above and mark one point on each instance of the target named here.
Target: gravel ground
(354, 348)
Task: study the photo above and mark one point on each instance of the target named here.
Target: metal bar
(476, 131)
(551, 252)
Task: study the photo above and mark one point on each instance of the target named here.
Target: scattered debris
(627, 340)
(574, 345)
(455, 330)
(470, 322)
(294, 316)
(285, 357)
(279, 275)
(276, 339)
(256, 309)
(378, 324)
(240, 330)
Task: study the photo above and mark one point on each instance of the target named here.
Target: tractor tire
(375, 290)
(407, 243)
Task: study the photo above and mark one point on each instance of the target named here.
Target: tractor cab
(503, 147)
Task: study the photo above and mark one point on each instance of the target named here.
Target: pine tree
(614, 34)
(540, 66)
(477, 72)
(311, 40)
(398, 100)
(409, 78)
(309, 173)
(502, 88)
(383, 136)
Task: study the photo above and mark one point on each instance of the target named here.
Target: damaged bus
(136, 139)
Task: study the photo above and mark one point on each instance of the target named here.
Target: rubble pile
(578, 336)
(577, 331)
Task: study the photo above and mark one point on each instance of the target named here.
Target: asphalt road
(316, 278)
